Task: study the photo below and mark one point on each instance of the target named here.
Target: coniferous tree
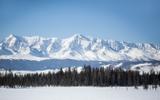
(87, 77)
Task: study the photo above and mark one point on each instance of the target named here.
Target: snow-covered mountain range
(76, 47)
(39, 53)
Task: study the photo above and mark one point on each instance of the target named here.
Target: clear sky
(124, 20)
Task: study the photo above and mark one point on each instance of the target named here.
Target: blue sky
(124, 20)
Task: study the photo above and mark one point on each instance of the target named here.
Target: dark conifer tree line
(87, 77)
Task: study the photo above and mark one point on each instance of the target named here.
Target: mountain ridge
(77, 47)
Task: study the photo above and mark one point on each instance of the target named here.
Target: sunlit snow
(79, 93)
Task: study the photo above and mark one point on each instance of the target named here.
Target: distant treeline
(87, 77)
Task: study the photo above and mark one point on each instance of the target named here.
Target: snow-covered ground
(79, 93)
(23, 72)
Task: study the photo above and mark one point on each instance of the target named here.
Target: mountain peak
(79, 36)
(11, 36)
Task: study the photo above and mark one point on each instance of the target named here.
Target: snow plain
(79, 93)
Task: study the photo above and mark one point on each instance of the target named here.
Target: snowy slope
(55, 70)
(79, 93)
(77, 47)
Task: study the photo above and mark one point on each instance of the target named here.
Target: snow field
(79, 93)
